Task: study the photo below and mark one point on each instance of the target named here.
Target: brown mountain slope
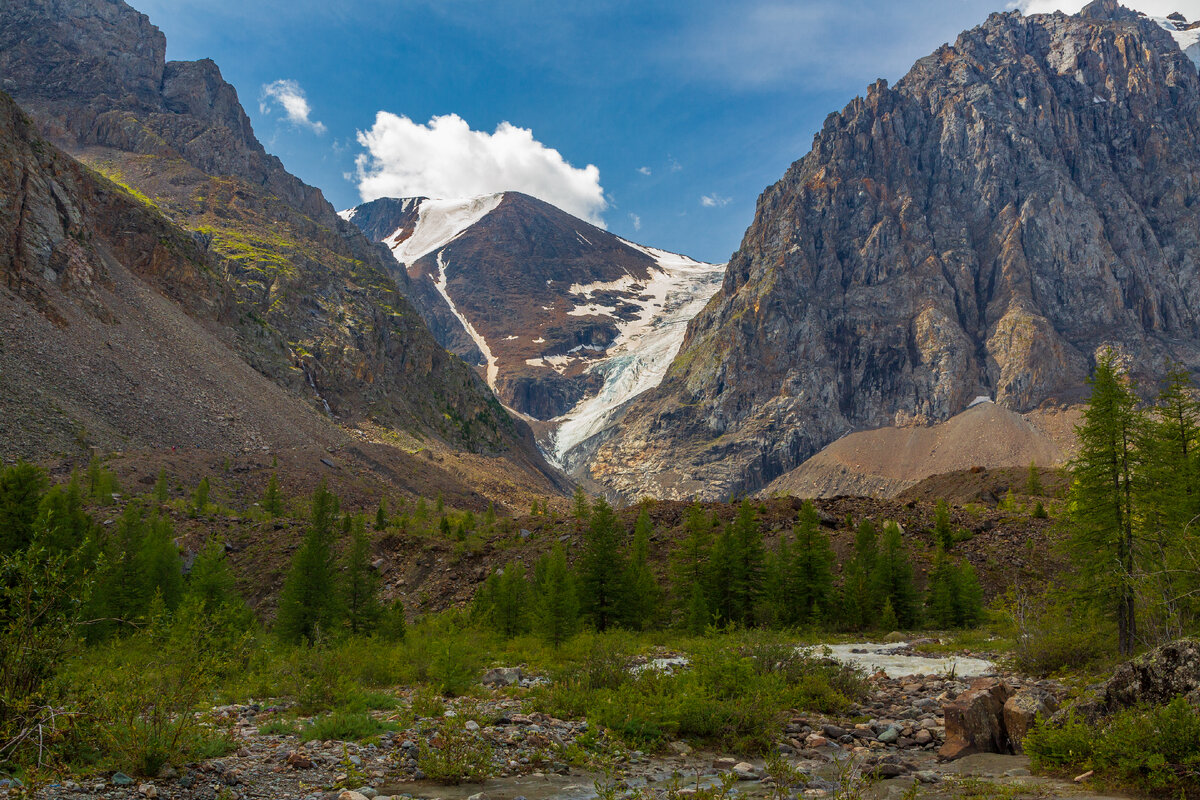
(315, 305)
(113, 336)
(1020, 199)
(887, 461)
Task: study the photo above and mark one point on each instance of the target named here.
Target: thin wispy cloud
(1156, 8)
(715, 200)
(815, 44)
(445, 158)
(644, 170)
(288, 96)
(636, 220)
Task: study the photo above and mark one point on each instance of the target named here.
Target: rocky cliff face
(1020, 199)
(316, 305)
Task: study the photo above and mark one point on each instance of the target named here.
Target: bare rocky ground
(886, 747)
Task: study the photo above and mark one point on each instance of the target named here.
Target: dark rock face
(1020, 199)
(316, 305)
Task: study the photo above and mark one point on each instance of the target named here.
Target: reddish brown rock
(975, 721)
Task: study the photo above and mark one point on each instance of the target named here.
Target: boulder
(1156, 678)
(1022, 710)
(502, 676)
(975, 721)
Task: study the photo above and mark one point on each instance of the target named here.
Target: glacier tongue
(639, 357)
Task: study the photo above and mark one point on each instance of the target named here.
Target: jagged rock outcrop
(317, 307)
(1020, 199)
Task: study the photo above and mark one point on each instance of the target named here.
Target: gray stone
(502, 676)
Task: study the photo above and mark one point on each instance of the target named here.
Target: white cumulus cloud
(1157, 8)
(445, 158)
(288, 95)
(714, 200)
(636, 220)
(644, 170)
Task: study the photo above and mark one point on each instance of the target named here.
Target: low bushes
(1154, 750)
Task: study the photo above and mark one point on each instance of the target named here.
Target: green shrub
(1155, 750)
(455, 755)
(344, 726)
(278, 727)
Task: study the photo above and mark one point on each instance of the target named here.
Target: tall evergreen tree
(943, 531)
(381, 515)
(1101, 510)
(601, 568)
(739, 567)
(859, 603)
(503, 600)
(581, 508)
(809, 586)
(690, 569)
(21, 489)
(555, 604)
(892, 578)
(309, 602)
(272, 502)
(641, 592)
(1167, 500)
(200, 497)
(360, 583)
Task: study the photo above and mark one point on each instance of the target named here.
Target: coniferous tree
(309, 602)
(860, 605)
(581, 508)
(1033, 481)
(943, 531)
(210, 583)
(1101, 509)
(641, 594)
(1167, 501)
(809, 585)
(601, 568)
(360, 583)
(888, 620)
(893, 577)
(941, 596)
(162, 492)
(503, 600)
(690, 570)
(381, 518)
(272, 502)
(159, 565)
(21, 489)
(555, 603)
(739, 567)
(697, 615)
(200, 497)
(392, 624)
(62, 525)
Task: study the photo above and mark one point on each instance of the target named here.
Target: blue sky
(685, 111)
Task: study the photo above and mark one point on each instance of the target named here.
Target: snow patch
(348, 214)
(493, 368)
(980, 400)
(439, 222)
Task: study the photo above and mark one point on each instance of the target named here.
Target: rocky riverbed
(893, 737)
